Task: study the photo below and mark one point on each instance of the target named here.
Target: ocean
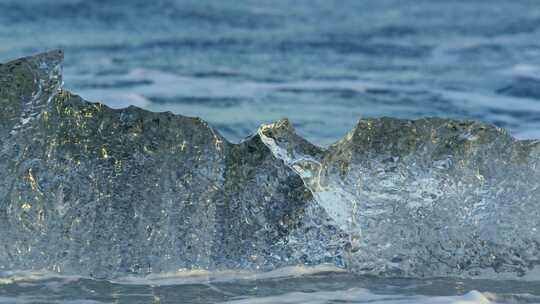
(322, 64)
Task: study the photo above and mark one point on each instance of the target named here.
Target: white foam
(183, 277)
(179, 277)
(524, 70)
(14, 277)
(33, 300)
(163, 84)
(359, 295)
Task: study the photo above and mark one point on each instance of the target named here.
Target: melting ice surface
(102, 204)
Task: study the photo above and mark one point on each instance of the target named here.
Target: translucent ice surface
(101, 192)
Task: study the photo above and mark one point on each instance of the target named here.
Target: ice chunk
(428, 197)
(89, 190)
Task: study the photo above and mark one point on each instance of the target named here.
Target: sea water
(318, 285)
(322, 64)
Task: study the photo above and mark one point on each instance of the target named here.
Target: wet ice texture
(90, 190)
(430, 197)
(94, 191)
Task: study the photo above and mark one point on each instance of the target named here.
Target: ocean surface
(319, 285)
(322, 64)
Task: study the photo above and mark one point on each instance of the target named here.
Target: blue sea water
(322, 64)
